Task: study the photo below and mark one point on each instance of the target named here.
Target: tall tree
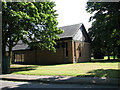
(30, 22)
(105, 27)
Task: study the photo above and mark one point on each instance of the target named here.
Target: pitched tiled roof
(69, 31)
(19, 46)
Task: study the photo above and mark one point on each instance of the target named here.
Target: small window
(79, 48)
(66, 49)
(74, 49)
(18, 58)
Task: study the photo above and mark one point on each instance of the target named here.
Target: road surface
(15, 84)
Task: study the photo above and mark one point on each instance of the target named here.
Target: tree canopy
(105, 29)
(32, 22)
(29, 22)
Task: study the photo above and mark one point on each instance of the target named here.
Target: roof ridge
(71, 25)
(70, 31)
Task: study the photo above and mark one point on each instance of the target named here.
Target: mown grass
(96, 68)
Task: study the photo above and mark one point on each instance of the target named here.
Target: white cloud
(72, 12)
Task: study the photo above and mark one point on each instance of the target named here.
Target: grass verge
(109, 69)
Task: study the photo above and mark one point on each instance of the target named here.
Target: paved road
(16, 84)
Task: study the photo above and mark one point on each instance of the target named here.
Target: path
(14, 84)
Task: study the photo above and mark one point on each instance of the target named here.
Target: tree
(105, 27)
(30, 22)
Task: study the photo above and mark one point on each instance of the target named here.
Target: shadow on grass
(53, 64)
(109, 73)
(102, 61)
(28, 68)
(17, 69)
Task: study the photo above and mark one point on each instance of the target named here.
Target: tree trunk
(4, 47)
(3, 50)
(10, 54)
(108, 52)
(114, 55)
(108, 57)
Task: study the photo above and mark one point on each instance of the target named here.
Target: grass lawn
(92, 69)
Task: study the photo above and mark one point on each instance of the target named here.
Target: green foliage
(30, 22)
(105, 30)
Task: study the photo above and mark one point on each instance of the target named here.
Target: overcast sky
(72, 12)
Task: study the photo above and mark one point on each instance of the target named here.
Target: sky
(72, 12)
